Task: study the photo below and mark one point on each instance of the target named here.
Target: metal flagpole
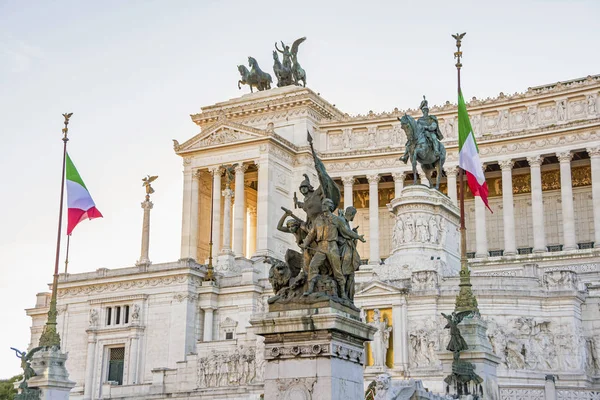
(50, 335)
(465, 300)
(210, 276)
(67, 255)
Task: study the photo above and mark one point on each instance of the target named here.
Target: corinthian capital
(373, 179)
(240, 168)
(535, 161)
(451, 170)
(216, 170)
(564, 156)
(398, 176)
(593, 151)
(348, 180)
(506, 164)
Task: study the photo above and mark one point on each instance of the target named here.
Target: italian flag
(79, 200)
(468, 154)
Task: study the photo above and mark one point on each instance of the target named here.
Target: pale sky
(132, 72)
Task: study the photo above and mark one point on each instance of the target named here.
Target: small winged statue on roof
(147, 184)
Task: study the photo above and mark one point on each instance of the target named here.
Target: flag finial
(458, 53)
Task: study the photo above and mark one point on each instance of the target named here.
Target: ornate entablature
(541, 110)
(267, 105)
(222, 132)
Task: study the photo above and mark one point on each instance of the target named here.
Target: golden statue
(147, 184)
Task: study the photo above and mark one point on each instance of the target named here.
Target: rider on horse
(428, 124)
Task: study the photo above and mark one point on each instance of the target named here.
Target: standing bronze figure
(423, 144)
(325, 269)
(290, 63)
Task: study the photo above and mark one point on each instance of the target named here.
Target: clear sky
(132, 72)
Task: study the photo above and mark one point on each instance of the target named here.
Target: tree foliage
(7, 390)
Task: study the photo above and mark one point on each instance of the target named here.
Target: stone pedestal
(52, 378)
(480, 354)
(314, 353)
(425, 235)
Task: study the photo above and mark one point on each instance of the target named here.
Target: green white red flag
(468, 154)
(79, 201)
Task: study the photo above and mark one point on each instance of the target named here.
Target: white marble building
(158, 330)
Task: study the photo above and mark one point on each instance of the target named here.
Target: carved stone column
(147, 206)
(252, 234)
(208, 324)
(481, 247)
(510, 249)
(226, 247)
(134, 359)
(594, 153)
(451, 171)
(240, 211)
(374, 258)
(264, 207)
(537, 204)
(348, 181)
(566, 192)
(398, 183)
(400, 336)
(216, 192)
(88, 384)
(189, 223)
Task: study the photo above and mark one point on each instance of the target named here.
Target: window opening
(115, 364)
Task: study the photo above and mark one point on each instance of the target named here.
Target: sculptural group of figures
(243, 366)
(329, 258)
(420, 228)
(289, 72)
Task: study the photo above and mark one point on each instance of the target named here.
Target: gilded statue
(147, 183)
(423, 144)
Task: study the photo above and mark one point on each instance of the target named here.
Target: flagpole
(67, 255)
(465, 300)
(50, 337)
(210, 276)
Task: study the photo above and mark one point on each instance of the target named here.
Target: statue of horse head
(275, 56)
(252, 62)
(408, 125)
(243, 70)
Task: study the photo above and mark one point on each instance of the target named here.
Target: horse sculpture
(255, 77)
(282, 73)
(297, 71)
(419, 148)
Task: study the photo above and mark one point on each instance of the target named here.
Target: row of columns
(510, 249)
(537, 204)
(190, 233)
(191, 209)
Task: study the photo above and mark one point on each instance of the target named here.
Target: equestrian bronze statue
(423, 144)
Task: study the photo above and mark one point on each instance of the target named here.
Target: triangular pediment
(221, 133)
(378, 288)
